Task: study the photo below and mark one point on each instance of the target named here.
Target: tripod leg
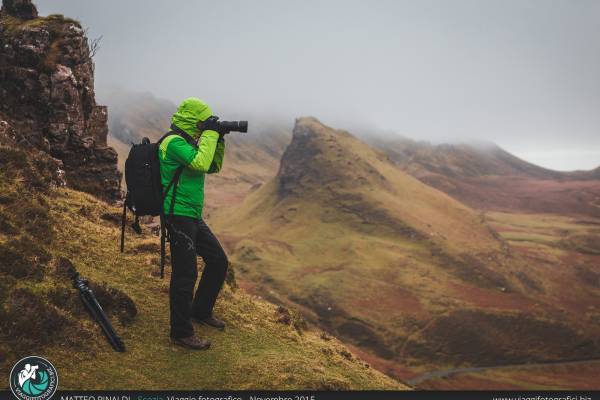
(123, 219)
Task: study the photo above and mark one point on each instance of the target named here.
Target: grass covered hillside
(413, 278)
(46, 231)
(562, 254)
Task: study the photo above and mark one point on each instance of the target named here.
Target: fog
(523, 74)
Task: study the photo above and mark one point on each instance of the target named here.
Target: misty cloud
(524, 74)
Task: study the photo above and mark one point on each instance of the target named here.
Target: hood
(189, 112)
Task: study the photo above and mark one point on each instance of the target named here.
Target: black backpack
(145, 195)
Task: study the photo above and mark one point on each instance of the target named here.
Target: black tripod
(94, 308)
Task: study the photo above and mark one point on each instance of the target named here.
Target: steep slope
(488, 177)
(47, 92)
(263, 347)
(395, 267)
(251, 158)
(332, 167)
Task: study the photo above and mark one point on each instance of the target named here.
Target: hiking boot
(192, 342)
(211, 321)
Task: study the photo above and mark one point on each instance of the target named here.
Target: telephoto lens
(234, 126)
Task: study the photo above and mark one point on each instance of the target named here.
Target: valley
(363, 251)
(411, 279)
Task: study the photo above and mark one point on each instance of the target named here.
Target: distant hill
(395, 267)
(485, 176)
(134, 115)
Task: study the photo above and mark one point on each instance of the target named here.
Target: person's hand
(210, 124)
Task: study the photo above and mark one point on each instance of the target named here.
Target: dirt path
(447, 372)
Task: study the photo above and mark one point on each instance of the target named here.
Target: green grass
(316, 256)
(255, 351)
(54, 23)
(556, 233)
(538, 238)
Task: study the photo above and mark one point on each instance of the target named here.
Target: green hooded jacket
(174, 151)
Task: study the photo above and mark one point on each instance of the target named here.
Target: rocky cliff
(48, 100)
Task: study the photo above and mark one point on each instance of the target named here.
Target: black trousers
(190, 237)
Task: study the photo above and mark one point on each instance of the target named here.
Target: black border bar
(315, 395)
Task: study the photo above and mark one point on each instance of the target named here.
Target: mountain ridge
(490, 178)
(339, 168)
(488, 157)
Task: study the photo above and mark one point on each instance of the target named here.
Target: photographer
(189, 235)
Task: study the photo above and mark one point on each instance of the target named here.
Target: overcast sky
(524, 74)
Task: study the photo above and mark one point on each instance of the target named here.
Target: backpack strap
(175, 130)
(163, 220)
(178, 131)
(175, 180)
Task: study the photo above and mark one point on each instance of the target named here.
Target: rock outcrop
(47, 92)
(20, 8)
(320, 157)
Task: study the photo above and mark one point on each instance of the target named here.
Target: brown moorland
(487, 177)
(401, 270)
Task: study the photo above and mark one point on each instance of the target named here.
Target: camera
(223, 127)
